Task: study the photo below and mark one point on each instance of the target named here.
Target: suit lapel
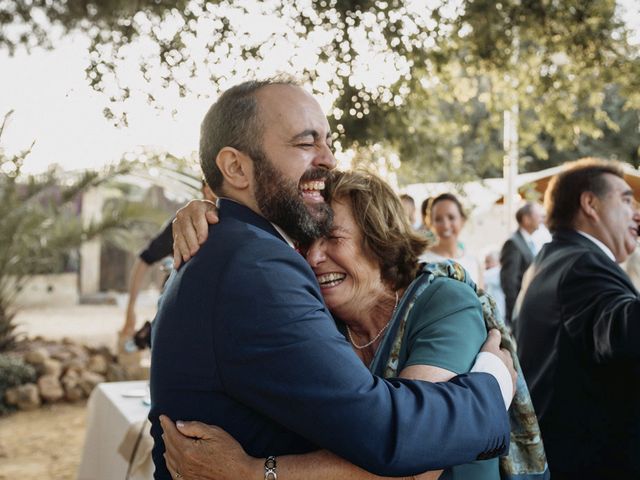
(571, 236)
(518, 239)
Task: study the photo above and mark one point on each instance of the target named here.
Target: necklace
(372, 341)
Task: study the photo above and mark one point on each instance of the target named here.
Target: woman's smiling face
(349, 278)
(446, 219)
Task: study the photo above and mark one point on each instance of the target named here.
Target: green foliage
(7, 326)
(435, 93)
(13, 372)
(40, 223)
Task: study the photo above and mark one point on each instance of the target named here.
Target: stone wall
(68, 372)
(54, 289)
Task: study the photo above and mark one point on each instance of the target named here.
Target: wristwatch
(270, 468)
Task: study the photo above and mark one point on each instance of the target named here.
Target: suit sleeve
(510, 265)
(160, 246)
(601, 308)
(283, 356)
(445, 328)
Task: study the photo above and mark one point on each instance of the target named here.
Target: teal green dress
(444, 328)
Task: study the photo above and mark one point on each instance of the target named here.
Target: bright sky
(54, 106)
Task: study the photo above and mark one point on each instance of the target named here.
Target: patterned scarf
(526, 459)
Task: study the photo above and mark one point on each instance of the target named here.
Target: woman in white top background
(447, 220)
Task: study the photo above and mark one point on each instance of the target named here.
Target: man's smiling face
(618, 218)
(294, 162)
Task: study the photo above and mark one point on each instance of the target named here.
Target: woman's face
(350, 280)
(446, 219)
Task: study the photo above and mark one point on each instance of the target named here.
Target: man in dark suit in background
(578, 327)
(243, 339)
(517, 254)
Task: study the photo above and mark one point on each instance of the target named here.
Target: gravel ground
(46, 444)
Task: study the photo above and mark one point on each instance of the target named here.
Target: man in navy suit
(579, 327)
(517, 254)
(243, 339)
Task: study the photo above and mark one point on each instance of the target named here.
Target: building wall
(54, 289)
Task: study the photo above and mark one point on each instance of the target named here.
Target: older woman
(397, 324)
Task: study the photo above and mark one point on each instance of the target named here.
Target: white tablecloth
(111, 415)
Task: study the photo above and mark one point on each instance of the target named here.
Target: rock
(88, 380)
(55, 349)
(98, 363)
(71, 377)
(103, 351)
(11, 396)
(50, 388)
(63, 355)
(116, 373)
(27, 397)
(68, 351)
(52, 367)
(74, 393)
(71, 385)
(75, 364)
(79, 351)
(36, 357)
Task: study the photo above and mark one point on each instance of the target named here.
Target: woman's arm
(191, 228)
(216, 455)
(204, 452)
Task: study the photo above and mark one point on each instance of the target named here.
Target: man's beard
(280, 201)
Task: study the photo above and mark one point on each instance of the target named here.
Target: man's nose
(635, 206)
(325, 158)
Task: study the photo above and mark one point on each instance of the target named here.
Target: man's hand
(492, 345)
(204, 452)
(191, 228)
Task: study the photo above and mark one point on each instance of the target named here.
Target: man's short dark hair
(233, 121)
(562, 198)
(524, 211)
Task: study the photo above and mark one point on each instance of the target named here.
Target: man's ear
(590, 205)
(235, 167)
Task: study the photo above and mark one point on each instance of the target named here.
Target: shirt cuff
(487, 362)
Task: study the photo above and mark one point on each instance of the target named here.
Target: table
(115, 409)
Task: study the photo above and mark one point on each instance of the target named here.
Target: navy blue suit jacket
(243, 340)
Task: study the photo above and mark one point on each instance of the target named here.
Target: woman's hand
(205, 452)
(191, 228)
